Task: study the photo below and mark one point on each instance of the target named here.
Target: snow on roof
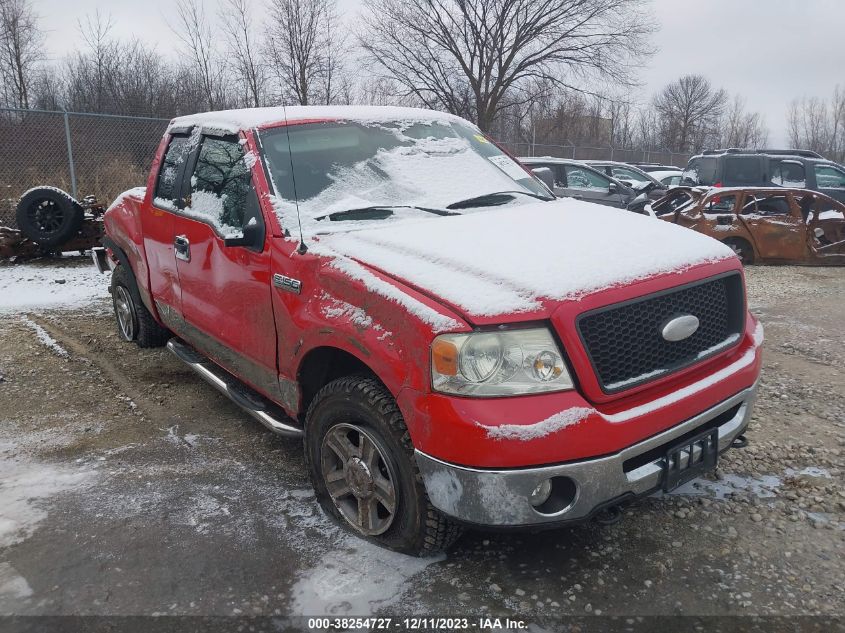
(233, 121)
(508, 260)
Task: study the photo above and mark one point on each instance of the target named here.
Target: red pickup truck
(455, 345)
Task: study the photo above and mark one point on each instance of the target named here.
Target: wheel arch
(325, 363)
(743, 241)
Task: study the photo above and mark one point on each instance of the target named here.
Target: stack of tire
(49, 216)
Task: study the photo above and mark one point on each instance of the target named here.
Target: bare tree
(819, 125)
(305, 47)
(689, 110)
(195, 33)
(21, 42)
(240, 37)
(475, 57)
(740, 128)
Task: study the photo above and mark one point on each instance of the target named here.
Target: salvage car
(770, 225)
(454, 345)
(577, 180)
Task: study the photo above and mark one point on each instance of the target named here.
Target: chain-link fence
(80, 153)
(577, 152)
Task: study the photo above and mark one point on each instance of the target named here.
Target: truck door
(226, 291)
(157, 222)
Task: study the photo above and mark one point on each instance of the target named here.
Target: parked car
(453, 344)
(632, 177)
(771, 225)
(668, 177)
(574, 179)
(797, 169)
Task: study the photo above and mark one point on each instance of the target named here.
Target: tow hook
(609, 516)
(740, 441)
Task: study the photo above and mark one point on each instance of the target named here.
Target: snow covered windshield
(355, 171)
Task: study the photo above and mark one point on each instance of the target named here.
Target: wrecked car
(450, 341)
(769, 225)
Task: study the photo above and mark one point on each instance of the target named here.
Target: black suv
(794, 168)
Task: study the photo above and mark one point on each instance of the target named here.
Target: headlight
(498, 363)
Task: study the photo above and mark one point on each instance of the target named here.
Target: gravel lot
(129, 487)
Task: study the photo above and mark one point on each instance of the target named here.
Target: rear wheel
(361, 461)
(134, 321)
(742, 249)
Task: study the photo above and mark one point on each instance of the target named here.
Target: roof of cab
(233, 121)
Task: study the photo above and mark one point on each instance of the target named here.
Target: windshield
(342, 170)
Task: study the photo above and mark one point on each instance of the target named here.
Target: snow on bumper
(502, 497)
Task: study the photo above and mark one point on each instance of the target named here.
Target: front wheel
(361, 461)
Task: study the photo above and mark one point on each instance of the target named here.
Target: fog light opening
(541, 493)
(559, 492)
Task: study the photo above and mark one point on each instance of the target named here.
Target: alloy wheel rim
(125, 311)
(46, 215)
(359, 478)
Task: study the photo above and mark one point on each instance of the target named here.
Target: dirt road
(128, 487)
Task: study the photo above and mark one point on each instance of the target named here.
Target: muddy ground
(128, 487)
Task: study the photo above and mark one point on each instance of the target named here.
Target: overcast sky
(770, 51)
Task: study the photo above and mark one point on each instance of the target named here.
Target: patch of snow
(357, 579)
(640, 378)
(28, 287)
(337, 309)
(45, 339)
(55, 189)
(733, 338)
(208, 207)
(232, 121)
(508, 260)
(24, 486)
(527, 432)
(13, 586)
(831, 215)
(136, 192)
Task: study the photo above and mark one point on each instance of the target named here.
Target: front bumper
(501, 497)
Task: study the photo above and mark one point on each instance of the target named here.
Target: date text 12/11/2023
(417, 624)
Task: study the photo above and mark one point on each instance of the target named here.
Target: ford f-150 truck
(454, 345)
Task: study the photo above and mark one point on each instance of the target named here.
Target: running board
(253, 403)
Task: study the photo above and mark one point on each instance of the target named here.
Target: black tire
(134, 321)
(48, 216)
(742, 249)
(362, 402)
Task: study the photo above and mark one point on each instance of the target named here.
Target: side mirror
(251, 237)
(613, 187)
(546, 177)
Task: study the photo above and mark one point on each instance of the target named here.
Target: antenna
(302, 248)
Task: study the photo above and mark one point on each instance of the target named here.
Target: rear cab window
(168, 194)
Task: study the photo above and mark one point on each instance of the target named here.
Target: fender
(139, 293)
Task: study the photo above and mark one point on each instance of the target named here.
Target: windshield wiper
(494, 199)
(377, 212)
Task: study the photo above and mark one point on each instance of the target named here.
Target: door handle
(182, 247)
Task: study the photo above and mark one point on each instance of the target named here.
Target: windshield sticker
(509, 166)
(480, 138)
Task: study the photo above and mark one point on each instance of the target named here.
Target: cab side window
(221, 188)
(829, 177)
(167, 192)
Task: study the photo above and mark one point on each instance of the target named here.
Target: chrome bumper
(500, 497)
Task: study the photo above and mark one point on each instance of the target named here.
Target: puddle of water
(356, 579)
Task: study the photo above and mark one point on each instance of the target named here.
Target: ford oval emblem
(680, 328)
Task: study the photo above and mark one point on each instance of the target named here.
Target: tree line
(524, 70)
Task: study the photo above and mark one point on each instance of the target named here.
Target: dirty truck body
(481, 363)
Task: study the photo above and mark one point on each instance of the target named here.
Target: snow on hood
(510, 259)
